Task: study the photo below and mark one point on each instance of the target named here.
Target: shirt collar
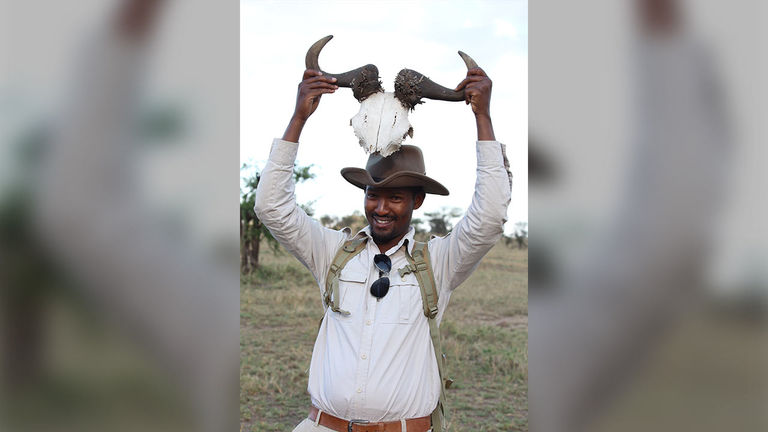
(407, 238)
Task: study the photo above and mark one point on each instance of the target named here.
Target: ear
(418, 199)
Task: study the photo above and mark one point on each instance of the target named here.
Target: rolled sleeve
(283, 153)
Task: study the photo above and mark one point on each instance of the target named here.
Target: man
(373, 360)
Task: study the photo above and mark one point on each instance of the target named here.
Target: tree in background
(440, 220)
(252, 231)
(521, 234)
(420, 234)
(356, 221)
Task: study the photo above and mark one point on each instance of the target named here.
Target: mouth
(382, 223)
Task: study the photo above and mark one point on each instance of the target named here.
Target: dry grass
(485, 336)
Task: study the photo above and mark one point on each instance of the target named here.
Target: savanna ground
(485, 337)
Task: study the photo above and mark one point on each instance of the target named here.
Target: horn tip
(468, 61)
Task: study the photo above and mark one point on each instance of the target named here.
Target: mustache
(390, 217)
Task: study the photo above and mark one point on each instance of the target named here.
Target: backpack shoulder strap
(345, 253)
(422, 269)
(419, 265)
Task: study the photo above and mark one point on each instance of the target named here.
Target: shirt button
(359, 390)
(368, 322)
(363, 356)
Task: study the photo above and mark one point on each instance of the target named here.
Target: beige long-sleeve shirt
(377, 363)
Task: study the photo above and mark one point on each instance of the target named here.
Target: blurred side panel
(119, 298)
(648, 283)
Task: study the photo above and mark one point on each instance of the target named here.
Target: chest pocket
(402, 304)
(351, 291)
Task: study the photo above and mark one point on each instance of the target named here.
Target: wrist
(293, 131)
(484, 128)
(298, 120)
(483, 117)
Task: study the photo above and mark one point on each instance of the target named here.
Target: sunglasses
(381, 286)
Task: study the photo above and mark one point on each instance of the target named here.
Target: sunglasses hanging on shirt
(380, 287)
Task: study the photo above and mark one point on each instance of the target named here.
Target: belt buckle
(354, 422)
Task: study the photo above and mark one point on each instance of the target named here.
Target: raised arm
(311, 88)
(276, 204)
(457, 254)
(477, 91)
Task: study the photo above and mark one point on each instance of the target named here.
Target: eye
(396, 198)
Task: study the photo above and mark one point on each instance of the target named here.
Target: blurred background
(118, 227)
(647, 286)
(118, 234)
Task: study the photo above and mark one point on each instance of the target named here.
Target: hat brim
(361, 178)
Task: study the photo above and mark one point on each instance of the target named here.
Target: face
(389, 212)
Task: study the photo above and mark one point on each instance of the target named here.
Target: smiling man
(374, 364)
(389, 212)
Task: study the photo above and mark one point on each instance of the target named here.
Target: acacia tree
(440, 220)
(252, 231)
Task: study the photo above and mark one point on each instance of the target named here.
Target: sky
(424, 36)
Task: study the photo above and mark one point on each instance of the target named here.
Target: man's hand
(311, 88)
(477, 92)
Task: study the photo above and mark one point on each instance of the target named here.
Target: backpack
(419, 265)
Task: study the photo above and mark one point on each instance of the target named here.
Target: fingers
(317, 79)
(461, 84)
(477, 71)
(309, 73)
(315, 84)
(470, 79)
(318, 92)
(320, 84)
(314, 88)
(477, 88)
(473, 75)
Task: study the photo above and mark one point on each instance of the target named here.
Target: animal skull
(382, 123)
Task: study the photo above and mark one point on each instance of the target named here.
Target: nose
(382, 208)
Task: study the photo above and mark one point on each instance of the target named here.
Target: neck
(384, 246)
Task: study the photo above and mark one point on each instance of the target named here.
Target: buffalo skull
(382, 123)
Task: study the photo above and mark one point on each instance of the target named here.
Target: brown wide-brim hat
(403, 168)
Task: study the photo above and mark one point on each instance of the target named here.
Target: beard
(383, 237)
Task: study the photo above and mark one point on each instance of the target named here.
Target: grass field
(485, 336)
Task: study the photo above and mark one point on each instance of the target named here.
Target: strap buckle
(405, 270)
(354, 422)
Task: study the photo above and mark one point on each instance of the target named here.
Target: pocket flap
(352, 276)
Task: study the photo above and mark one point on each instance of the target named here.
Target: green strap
(419, 265)
(345, 253)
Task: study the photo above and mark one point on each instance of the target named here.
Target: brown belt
(420, 424)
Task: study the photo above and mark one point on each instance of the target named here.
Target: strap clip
(407, 269)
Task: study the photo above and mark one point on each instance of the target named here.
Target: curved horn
(364, 81)
(412, 86)
(471, 64)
